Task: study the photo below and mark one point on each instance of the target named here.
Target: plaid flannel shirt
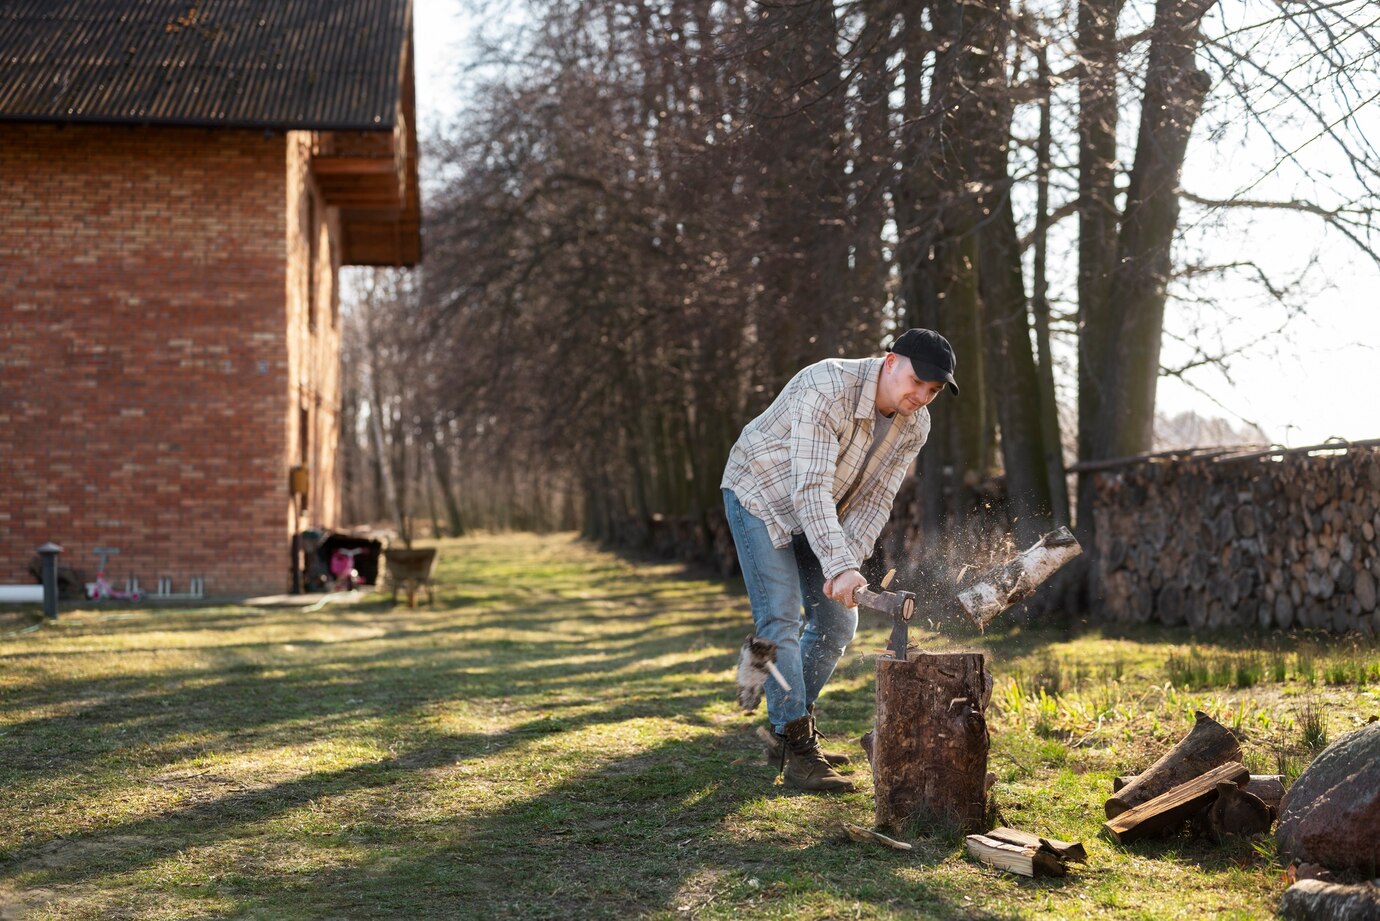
(797, 466)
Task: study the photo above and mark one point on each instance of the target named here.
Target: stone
(1331, 815)
(1316, 900)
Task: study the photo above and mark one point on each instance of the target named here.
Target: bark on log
(929, 750)
(1171, 809)
(1315, 900)
(1207, 745)
(1268, 788)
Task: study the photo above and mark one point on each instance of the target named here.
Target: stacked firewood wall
(1275, 541)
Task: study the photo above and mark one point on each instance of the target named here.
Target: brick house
(182, 182)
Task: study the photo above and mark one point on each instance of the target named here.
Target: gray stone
(1331, 815)
(1315, 900)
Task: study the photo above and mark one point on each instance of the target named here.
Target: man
(808, 486)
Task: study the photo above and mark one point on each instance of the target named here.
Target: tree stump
(930, 745)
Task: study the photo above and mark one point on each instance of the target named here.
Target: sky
(1317, 380)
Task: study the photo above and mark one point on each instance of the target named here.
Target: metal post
(49, 552)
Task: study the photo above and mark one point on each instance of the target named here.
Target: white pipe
(16, 594)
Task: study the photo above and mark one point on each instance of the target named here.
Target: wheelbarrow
(410, 570)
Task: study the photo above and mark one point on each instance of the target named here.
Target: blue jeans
(777, 583)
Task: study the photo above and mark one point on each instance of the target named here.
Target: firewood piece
(1171, 809)
(1315, 900)
(868, 836)
(1234, 812)
(1206, 746)
(1015, 858)
(1004, 585)
(929, 748)
(1268, 787)
(1064, 850)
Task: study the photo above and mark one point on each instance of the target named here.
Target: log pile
(1276, 541)
(1200, 781)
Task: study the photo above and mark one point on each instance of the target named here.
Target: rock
(1315, 900)
(1331, 815)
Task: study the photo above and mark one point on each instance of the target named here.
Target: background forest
(653, 213)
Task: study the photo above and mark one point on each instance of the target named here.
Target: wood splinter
(869, 836)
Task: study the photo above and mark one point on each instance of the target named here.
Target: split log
(1268, 788)
(1015, 858)
(1315, 900)
(929, 748)
(1001, 587)
(1207, 745)
(1064, 850)
(1168, 811)
(1235, 812)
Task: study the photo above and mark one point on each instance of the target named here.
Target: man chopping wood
(808, 487)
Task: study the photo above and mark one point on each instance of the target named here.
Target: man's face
(902, 389)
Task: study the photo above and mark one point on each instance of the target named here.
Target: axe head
(900, 606)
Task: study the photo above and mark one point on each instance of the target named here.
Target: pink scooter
(343, 569)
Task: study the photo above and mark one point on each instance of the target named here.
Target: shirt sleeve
(814, 457)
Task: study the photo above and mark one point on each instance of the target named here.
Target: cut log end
(1235, 812)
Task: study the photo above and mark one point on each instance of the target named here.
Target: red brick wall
(144, 364)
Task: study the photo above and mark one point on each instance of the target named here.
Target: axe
(993, 592)
(899, 605)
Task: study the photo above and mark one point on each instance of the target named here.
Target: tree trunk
(930, 744)
(1024, 456)
(1050, 433)
(938, 257)
(1097, 223)
(440, 462)
(1174, 92)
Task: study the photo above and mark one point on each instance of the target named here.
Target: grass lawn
(557, 738)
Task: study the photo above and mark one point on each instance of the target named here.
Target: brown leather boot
(805, 767)
(773, 747)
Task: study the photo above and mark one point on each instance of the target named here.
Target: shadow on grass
(678, 823)
(667, 829)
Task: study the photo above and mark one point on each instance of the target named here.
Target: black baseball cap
(929, 353)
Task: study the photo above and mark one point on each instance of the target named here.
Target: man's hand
(842, 586)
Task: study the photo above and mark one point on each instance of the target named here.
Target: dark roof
(312, 64)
